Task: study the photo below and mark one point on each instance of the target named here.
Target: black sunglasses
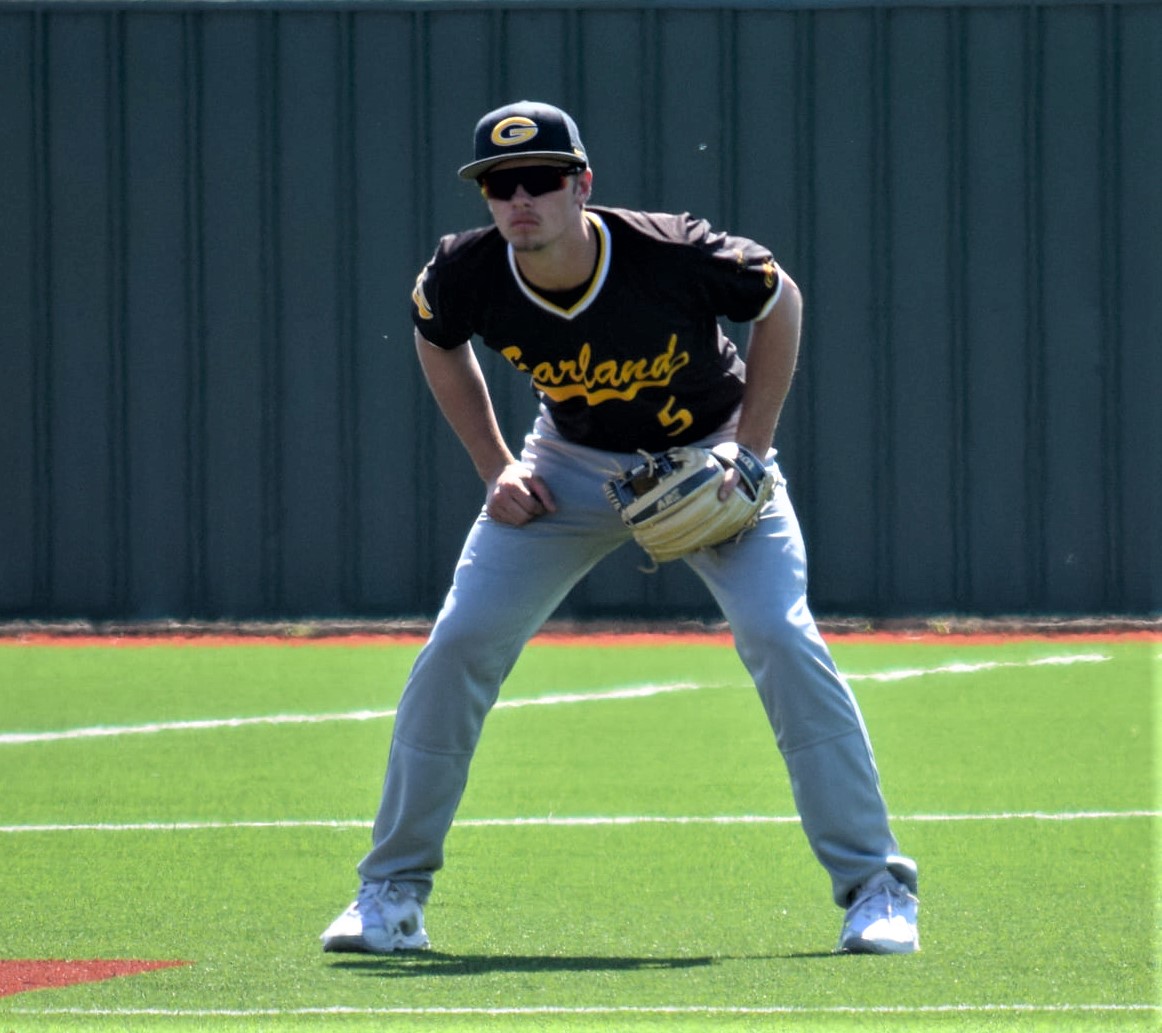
(536, 179)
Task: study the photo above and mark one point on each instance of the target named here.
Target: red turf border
(932, 630)
(601, 639)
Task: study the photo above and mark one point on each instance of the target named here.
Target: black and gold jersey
(635, 359)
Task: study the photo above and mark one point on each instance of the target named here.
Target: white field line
(105, 731)
(582, 1010)
(556, 821)
(987, 665)
(632, 692)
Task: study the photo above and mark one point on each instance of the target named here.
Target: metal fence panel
(211, 217)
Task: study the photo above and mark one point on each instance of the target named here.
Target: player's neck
(566, 262)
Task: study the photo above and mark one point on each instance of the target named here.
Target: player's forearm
(458, 385)
(770, 367)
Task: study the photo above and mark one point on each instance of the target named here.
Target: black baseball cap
(527, 129)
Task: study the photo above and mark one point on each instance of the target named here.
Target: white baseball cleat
(386, 917)
(881, 919)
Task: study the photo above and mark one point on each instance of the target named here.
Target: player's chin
(524, 237)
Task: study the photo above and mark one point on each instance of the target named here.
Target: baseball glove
(670, 500)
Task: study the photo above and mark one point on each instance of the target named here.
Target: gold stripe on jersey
(586, 299)
(419, 299)
(772, 277)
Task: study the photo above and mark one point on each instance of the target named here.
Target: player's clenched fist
(517, 496)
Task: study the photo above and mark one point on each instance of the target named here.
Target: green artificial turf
(1025, 786)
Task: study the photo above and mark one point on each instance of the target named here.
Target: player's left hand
(729, 483)
(733, 477)
(673, 502)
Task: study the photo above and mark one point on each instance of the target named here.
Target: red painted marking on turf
(600, 639)
(18, 977)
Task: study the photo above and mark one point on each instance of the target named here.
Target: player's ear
(584, 185)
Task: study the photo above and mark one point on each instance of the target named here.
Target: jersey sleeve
(740, 278)
(435, 311)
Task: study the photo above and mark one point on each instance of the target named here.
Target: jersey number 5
(675, 422)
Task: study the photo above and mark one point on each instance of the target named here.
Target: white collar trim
(604, 253)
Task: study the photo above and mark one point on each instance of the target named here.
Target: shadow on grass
(432, 963)
(410, 964)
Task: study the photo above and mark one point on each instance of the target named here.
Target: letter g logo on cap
(511, 131)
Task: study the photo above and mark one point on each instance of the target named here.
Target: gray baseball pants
(508, 582)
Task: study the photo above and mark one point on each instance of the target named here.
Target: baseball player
(614, 316)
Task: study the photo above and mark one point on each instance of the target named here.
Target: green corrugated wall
(211, 216)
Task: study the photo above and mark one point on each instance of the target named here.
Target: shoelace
(884, 898)
(376, 894)
(368, 897)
